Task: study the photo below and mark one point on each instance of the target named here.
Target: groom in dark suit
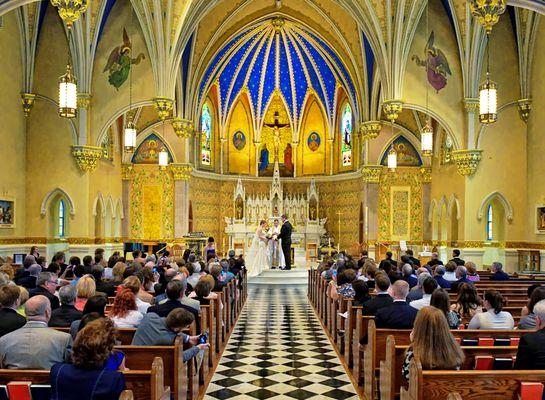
(285, 235)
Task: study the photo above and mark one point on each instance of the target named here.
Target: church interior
(374, 126)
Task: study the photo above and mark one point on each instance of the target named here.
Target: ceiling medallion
(278, 23)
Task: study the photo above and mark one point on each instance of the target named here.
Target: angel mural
(119, 62)
(436, 64)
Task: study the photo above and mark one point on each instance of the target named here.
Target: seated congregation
(150, 328)
(433, 331)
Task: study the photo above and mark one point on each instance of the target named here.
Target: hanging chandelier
(487, 12)
(70, 10)
(392, 154)
(426, 134)
(163, 154)
(426, 139)
(129, 137)
(488, 94)
(68, 94)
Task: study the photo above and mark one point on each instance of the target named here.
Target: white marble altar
(301, 208)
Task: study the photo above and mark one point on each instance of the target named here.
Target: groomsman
(285, 235)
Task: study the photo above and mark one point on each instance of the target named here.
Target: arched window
(206, 137)
(489, 223)
(346, 131)
(61, 221)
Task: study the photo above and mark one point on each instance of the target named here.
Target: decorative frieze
(87, 157)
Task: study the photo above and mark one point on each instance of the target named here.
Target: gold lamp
(68, 94)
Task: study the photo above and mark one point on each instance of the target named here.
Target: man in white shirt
(428, 287)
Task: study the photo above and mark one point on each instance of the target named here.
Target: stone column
(84, 101)
(331, 155)
(222, 150)
(294, 157)
(182, 175)
(127, 172)
(257, 145)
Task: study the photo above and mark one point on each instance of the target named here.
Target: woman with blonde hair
(86, 287)
(117, 273)
(432, 343)
(8, 270)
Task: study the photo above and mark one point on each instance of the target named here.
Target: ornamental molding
(371, 173)
(84, 100)
(183, 128)
(27, 101)
(127, 172)
(425, 174)
(87, 157)
(181, 172)
(467, 161)
(163, 106)
(392, 109)
(370, 130)
(471, 105)
(524, 107)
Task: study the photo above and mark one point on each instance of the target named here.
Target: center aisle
(278, 350)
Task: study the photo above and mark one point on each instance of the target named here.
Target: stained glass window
(206, 137)
(346, 132)
(489, 223)
(61, 220)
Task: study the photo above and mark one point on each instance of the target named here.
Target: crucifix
(276, 126)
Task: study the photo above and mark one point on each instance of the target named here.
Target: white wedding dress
(257, 259)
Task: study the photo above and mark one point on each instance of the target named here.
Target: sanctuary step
(294, 277)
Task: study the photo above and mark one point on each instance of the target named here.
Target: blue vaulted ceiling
(277, 55)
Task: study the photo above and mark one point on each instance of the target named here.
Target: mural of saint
(436, 64)
(407, 155)
(288, 159)
(313, 141)
(263, 158)
(119, 62)
(239, 140)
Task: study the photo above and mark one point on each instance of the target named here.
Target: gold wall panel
(242, 159)
(312, 159)
(400, 206)
(151, 210)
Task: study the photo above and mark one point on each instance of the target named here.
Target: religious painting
(346, 131)
(407, 155)
(148, 151)
(120, 61)
(7, 213)
(239, 140)
(436, 64)
(313, 141)
(206, 135)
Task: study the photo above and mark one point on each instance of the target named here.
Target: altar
(302, 210)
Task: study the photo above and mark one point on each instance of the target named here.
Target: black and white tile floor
(278, 350)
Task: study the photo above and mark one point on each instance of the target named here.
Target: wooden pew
(390, 368)
(375, 350)
(362, 324)
(471, 385)
(350, 329)
(144, 384)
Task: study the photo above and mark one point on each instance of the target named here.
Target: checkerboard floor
(278, 350)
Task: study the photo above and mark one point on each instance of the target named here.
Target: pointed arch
(51, 195)
(99, 200)
(433, 210)
(507, 207)
(454, 202)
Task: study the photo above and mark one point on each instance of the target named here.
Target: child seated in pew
(157, 331)
(87, 376)
(432, 343)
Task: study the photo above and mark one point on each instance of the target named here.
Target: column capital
(392, 108)
(87, 157)
(471, 105)
(371, 173)
(467, 161)
(524, 106)
(127, 172)
(163, 106)
(181, 172)
(27, 101)
(183, 128)
(370, 129)
(84, 100)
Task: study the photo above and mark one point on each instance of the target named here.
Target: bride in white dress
(257, 258)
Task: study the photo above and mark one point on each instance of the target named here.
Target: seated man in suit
(531, 350)
(46, 285)
(428, 287)
(497, 272)
(456, 257)
(157, 331)
(175, 292)
(408, 275)
(398, 315)
(382, 299)
(417, 292)
(9, 300)
(35, 346)
(414, 260)
(66, 313)
(438, 275)
(461, 274)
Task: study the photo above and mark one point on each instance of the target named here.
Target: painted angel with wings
(436, 64)
(119, 62)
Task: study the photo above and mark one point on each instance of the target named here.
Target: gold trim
(163, 106)
(467, 161)
(524, 106)
(87, 157)
(27, 101)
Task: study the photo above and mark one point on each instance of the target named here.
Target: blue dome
(277, 55)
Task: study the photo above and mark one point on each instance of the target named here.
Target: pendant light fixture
(129, 135)
(426, 133)
(163, 154)
(392, 154)
(488, 93)
(68, 89)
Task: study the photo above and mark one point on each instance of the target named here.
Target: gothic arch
(99, 200)
(454, 202)
(433, 210)
(508, 208)
(51, 195)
